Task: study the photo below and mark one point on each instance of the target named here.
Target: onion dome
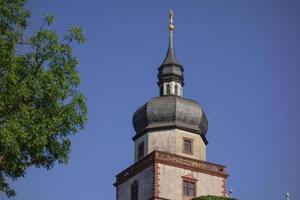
(168, 112)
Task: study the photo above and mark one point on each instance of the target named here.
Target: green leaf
(49, 19)
(75, 33)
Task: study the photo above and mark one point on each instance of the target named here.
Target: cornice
(158, 157)
(170, 127)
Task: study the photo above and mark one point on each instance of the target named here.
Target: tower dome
(170, 111)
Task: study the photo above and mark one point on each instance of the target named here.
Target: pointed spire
(170, 57)
(170, 72)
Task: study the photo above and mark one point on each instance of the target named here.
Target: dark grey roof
(170, 69)
(170, 58)
(170, 111)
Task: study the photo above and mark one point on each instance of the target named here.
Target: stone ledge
(171, 160)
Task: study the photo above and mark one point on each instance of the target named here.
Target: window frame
(176, 89)
(141, 146)
(134, 190)
(168, 89)
(192, 146)
(189, 181)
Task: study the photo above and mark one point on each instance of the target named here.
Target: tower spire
(170, 75)
(170, 57)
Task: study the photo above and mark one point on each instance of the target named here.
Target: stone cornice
(135, 168)
(191, 164)
(171, 160)
(170, 127)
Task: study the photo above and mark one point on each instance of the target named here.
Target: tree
(40, 103)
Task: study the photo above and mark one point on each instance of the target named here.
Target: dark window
(185, 188)
(189, 188)
(176, 89)
(192, 189)
(168, 89)
(134, 190)
(141, 150)
(187, 146)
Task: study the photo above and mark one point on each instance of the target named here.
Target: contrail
(215, 112)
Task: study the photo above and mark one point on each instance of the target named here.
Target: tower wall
(145, 182)
(171, 141)
(170, 183)
(161, 175)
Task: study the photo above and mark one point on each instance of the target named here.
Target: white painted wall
(145, 180)
(170, 183)
(172, 87)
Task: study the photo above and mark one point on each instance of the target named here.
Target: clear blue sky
(242, 64)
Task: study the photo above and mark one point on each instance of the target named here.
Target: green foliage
(209, 197)
(49, 19)
(75, 33)
(40, 104)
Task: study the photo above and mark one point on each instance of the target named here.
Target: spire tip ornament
(287, 196)
(171, 25)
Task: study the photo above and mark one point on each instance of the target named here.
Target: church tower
(170, 144)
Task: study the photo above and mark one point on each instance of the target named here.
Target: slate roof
(170, 69)
(170, 111)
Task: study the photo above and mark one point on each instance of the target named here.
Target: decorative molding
(189, 177)
(172, 160)
(173, 126)
(135, 169)
(156, 180)
(191, 164)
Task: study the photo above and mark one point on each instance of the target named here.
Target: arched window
(176, 89)
(168, 89)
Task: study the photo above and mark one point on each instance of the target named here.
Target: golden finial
(171, 25)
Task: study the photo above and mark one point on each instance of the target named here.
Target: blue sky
(242, 64)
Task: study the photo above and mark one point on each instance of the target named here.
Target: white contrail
(215, 112)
